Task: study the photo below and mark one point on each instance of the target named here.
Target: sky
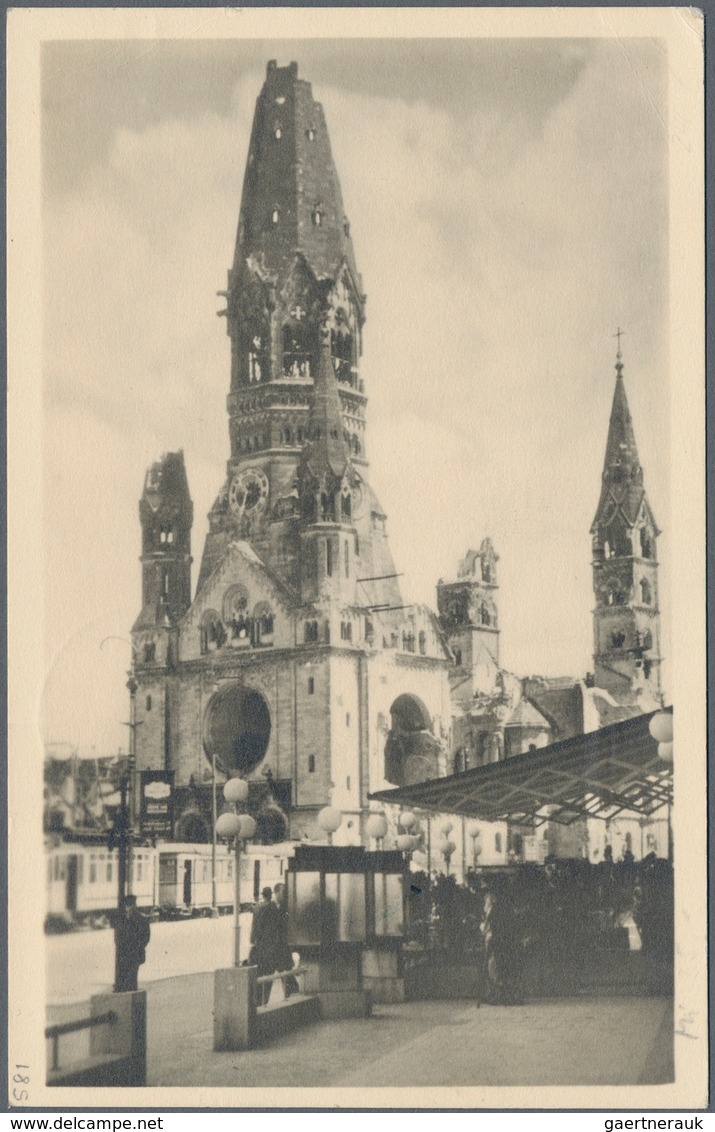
(508, 202)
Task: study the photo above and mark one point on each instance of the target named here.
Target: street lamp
(329, 819)
(127, 805)
(240, 827)
(214, 900)
(446, 845)
(661, 729)
(475, 832)
(376, 826)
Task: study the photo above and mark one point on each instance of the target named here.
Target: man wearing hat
(131, 936)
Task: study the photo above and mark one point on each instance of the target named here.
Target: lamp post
(131, 773)
(240, 827)
(376, 827)
(474, 831)
(661, 729)
(446, 845)
(329, 819)
(128, 786)
(214, 900)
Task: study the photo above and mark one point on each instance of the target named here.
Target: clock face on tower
(248, 491)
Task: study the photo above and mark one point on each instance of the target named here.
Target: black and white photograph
(356, 592)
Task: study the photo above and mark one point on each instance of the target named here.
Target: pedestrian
(285, 955)
(265, 941)
(503, 944)
(131, 937)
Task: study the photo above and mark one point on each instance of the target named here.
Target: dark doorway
(187, 882)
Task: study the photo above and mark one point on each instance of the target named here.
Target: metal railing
(54, 1033)
(263, 980)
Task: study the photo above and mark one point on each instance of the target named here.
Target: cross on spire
(619, 365)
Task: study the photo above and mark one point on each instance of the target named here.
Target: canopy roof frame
(599, 774)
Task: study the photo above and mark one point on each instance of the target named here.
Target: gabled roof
(600, 774)
(246, 551)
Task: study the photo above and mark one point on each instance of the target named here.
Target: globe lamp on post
(474, 831)
(329, 820)
(240, 827)
(376, 827)
(661, 729)
(447, 847)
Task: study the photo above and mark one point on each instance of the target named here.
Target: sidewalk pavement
(579, 1041)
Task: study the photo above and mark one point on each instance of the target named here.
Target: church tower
(468, 608)
(626, 621)
(166, 515)
(294, 314)
(296, 664)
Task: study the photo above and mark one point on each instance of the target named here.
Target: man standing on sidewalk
(265, 941)
(131, 936)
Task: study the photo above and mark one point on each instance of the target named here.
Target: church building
(295, 662)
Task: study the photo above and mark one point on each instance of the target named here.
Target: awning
(599, 774)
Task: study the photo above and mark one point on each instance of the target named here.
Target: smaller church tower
(166, 515)
(626, 620)
(468, 608)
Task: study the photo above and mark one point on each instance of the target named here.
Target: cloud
(499, 256)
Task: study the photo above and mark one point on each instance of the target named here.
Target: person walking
(131, 937)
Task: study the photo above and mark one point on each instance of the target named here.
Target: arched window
(484, 614)
(341, 349)
(298, 346)
(497, 842)
(311, 632)
(213, 633)
(275, 217)
(257, 360)
(317, 216)
(486, 571)
(646, 543)
(347, 559)
(263, 624)
(411, 751)
(646, 593)
(422, 639)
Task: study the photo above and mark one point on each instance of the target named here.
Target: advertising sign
(156, 796)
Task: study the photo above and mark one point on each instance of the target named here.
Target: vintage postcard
(356, 559)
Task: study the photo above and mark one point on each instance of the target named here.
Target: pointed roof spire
(621, 449)
(328, 447)
(622, 480)
(291, 199)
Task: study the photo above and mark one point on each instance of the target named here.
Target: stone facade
(297, 663)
